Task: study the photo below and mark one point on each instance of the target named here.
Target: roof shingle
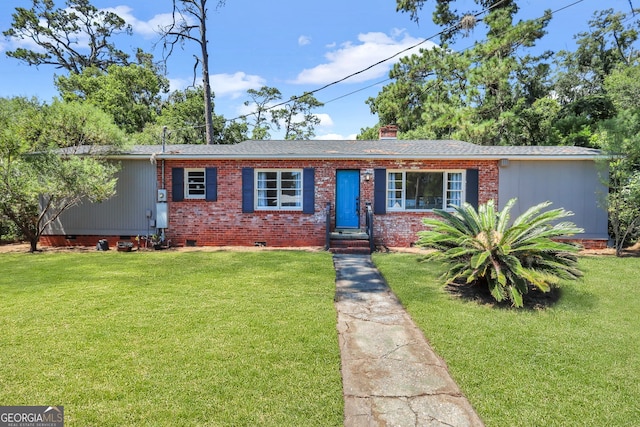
(339, 149)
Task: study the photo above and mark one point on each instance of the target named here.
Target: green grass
(574, 364)
(172, 338)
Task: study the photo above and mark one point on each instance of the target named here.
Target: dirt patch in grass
(632, 251)
(24, 248)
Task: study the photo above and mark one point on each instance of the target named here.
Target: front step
(349, 242)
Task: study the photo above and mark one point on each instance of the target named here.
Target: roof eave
(372, 157)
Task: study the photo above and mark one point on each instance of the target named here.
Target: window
(408, 190)
(279, 189)
(194, 185)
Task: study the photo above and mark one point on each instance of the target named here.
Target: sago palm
(483, 248)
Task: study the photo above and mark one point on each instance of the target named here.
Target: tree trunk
(33, 244)
(208, 108)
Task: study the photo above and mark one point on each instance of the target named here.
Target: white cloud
(147, 29)
(180, 84)
(325, 120)
(304, 40)
(228, 85)
(353, 57)
(235, 85)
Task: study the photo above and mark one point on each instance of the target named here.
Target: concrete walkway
(390, 374)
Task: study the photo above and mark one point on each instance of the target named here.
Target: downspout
(164, 184)
(164, 137)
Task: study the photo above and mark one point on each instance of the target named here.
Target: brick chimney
(388, 132)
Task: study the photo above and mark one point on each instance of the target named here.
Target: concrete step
(350, 250)
(349, 234)
(350, 243)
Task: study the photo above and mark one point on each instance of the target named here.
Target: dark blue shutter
(177, 184)
(211, 180)
(247, 190)
(472, 187)
(308, 191)
(379, 191)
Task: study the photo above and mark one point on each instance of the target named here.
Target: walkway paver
(390, 374)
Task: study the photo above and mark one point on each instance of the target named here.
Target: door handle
(358, 205)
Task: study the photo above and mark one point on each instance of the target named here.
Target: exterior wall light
(367, 176)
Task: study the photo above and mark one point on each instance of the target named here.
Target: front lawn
(574, 364)
(172, 338)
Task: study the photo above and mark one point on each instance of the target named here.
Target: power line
(382, 61)
(358, 90)
(448, 29)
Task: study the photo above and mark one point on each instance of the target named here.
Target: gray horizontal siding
(573, 185)
(123, 214)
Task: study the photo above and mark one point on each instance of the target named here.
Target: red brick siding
(589, 243)
(399, 229)
(223, 222)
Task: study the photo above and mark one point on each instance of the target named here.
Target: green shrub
(9, 232)
(482, 248)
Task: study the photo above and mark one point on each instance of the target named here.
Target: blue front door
(348, 199)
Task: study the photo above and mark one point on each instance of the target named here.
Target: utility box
(162, 215)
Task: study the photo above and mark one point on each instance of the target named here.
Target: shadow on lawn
(535, 299)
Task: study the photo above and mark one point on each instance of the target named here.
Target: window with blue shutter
(472, 187)
(416, 190)
(379, 191)
(308, 191)
(211, 178)
(177, 184)
(247, 190)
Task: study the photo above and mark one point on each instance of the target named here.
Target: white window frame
(452, 189)
(280, 196)
(193, 185)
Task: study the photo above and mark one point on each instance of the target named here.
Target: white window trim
(279, 207)
(445, 182)
(187, 193)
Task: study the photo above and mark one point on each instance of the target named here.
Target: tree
(296, 117)
(579, 80)
(190, 24)
(453, 22)
(38, 182)
(61, 35)
(609, 43)
(182, 114)
(262, 116)
(129, 93)
(620, 142)
(622, 86)
(474, 95)
(481, 248)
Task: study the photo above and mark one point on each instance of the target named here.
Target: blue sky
(293, 45)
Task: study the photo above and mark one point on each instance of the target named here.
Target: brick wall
(222, 222)
(399, 229)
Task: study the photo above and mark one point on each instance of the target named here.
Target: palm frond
(480, 246)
